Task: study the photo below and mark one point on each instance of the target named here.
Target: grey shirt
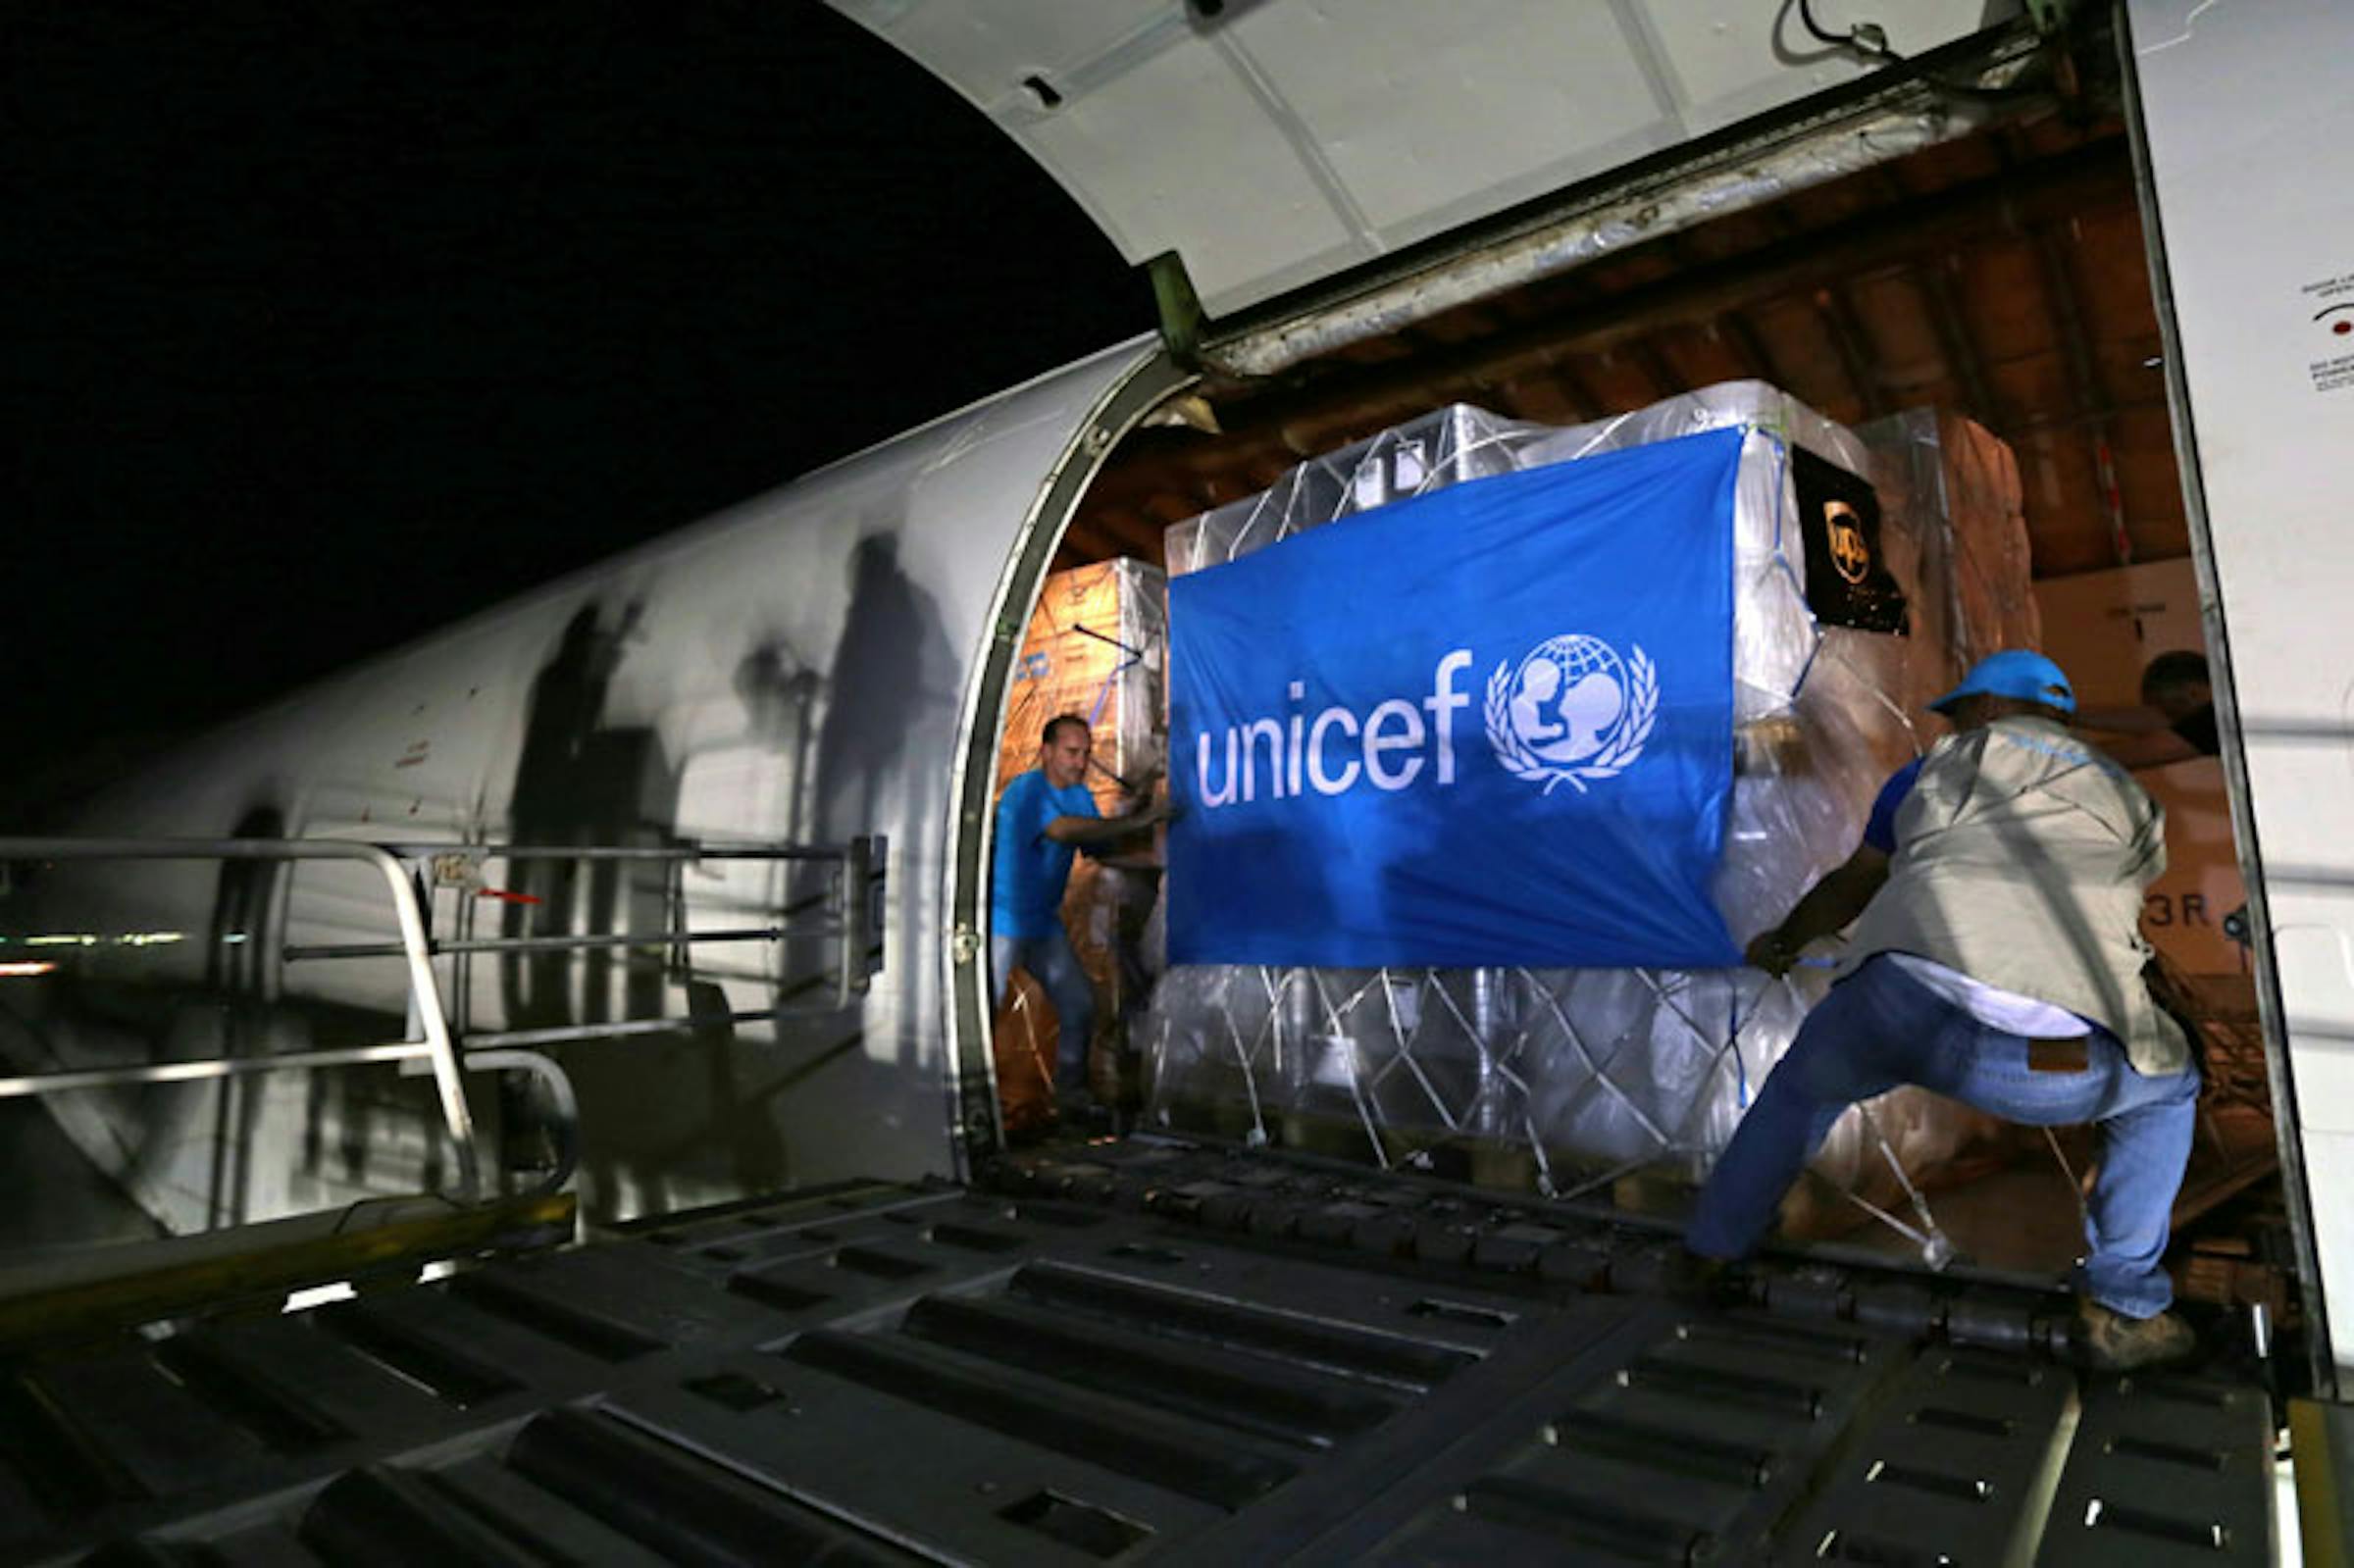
(2021, 859)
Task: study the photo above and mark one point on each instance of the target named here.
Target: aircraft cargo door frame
(2252, 255)
(973, 1112)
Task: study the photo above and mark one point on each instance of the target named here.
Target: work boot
(2114, 1342)
(1691, 1281)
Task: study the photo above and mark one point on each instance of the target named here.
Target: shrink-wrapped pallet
(1589, 1072)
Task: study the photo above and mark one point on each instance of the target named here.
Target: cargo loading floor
(1143, 1351)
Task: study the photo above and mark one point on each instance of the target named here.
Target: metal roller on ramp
(1141, 1352)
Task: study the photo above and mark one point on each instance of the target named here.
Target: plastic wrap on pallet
(1095, 646)
(1955, 522)
(1599, 1071)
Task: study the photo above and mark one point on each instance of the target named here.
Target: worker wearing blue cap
(1996, 958)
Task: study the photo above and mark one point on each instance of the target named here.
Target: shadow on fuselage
(888, 710)
(583, 780)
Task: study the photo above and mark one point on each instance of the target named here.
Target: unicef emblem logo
(1572, 711)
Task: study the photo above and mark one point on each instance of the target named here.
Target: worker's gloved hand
(1772, 953)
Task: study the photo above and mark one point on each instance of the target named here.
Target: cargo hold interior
(1993, 290)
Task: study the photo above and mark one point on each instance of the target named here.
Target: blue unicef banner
(1488, 725)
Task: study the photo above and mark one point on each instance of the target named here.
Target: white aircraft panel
(798, 668)
(1727, 62)
(1495, 71)
(2243, 106)
(1290, 139)
(1226, 158)
(998, 45)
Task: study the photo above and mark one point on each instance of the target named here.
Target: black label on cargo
(1847, 579)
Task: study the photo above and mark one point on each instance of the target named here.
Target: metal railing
(436, 1048)
(850, 907)
(850, 910)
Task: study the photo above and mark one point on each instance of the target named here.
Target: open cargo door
(1271, 146)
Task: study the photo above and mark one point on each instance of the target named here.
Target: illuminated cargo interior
(2002, 278)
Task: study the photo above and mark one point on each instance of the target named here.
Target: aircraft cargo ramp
(1141, 1351)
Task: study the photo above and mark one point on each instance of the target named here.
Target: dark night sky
(323, 332)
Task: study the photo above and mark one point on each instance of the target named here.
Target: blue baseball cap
(2014, 673)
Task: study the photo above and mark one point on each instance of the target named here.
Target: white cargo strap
(1936, 1248)
(2075, 1185)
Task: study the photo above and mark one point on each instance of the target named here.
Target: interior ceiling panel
(2002, 276)
(1274, 143)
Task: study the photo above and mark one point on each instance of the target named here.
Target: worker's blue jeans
(1055, 967)
(1880, 1028)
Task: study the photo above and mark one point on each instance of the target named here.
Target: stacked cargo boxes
(1095, 647)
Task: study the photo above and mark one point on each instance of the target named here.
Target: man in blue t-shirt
(1043, 816)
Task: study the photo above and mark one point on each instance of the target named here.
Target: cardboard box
(1095, 647)
(2104, 627)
